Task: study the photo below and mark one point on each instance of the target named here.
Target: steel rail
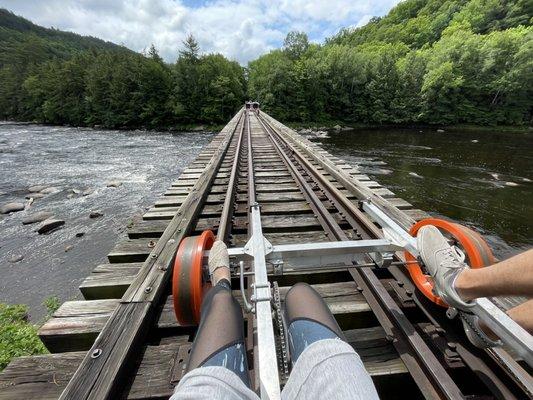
(229, 201)
(427, 371)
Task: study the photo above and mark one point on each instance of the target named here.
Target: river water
(70, 158)
(482, 180)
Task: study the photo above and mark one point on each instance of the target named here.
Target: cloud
(240, 29)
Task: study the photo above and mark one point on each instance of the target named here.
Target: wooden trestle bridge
(123, 340)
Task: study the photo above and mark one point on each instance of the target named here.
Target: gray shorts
(327, 369)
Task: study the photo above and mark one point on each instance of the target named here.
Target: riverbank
(347, 126)
(199, 127)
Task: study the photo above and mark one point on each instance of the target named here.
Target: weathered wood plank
(131, 250)
(270, 223)
(44, 377)
(75, 325)
(109, 281)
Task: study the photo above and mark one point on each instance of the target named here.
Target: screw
(154, 255)
(96, 353)
(148, 289)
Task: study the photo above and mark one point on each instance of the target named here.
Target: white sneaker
(443, 263)
(218, 257)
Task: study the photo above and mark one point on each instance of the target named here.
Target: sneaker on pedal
(443, 263)
(218, 257)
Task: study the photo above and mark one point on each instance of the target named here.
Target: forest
(58, 77)
(426, 62)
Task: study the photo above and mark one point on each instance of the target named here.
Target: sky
(239, 29)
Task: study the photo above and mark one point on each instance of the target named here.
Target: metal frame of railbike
(325, 255)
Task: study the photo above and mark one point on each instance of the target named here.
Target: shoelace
(450, 258)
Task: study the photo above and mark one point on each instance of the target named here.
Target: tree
(295, 44)
(154, 54)
(191, 50)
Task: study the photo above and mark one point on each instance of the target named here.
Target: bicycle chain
(283, 354)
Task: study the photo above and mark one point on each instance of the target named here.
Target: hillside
(57, 77)
(427, 61)
(21, 42)
(420, 22)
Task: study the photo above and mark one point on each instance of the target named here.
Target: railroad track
(124, 340)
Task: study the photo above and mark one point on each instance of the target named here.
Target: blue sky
(241, 30)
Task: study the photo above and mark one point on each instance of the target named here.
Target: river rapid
(74, 160)
(480, 179)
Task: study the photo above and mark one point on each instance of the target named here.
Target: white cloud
(239, 29)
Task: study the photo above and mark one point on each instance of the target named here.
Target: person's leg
(217, 366)
(458, 285)
(513, 276)
(521, 314)
(324, 365)
(308, 319)
(219, 340)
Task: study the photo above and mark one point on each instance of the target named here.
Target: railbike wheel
(188, 282)
(476, 250)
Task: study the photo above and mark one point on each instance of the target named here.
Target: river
(480, 179)
(77, 159)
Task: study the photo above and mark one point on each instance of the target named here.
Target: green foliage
(17, 336)
(427, 61)
(52, 304)
(61, 78)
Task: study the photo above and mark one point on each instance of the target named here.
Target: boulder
(337, 127)
(37, 217)
(87, 192)
(114, 184)
(35, 196)
(36, 188)
(440, 130)
(50, 225)
(15, 258)
(11, 207)
(96, 214)
(49, 190)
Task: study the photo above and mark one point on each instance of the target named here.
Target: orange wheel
(188, 283)
(477, 252)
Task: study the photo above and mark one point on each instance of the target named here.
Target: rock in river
(35, 195)
(50, 190)
(95, 214)
(15, 258)
(36, 188)
(50, 225)
(114, 184)
(37, 217)
(11, 207)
